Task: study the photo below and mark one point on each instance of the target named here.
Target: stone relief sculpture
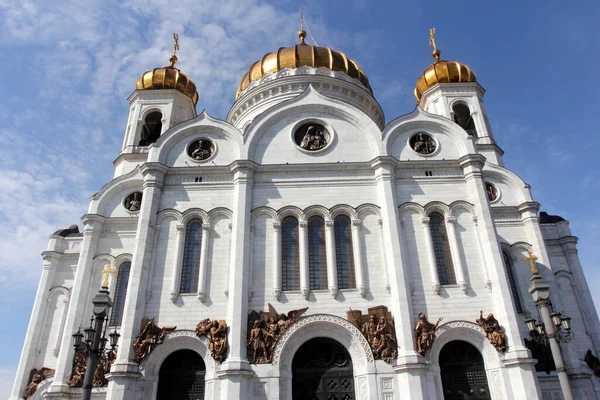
(312, 137)
(425, 333)
(36, 376)
(79, 366)
(377, 326)
(423, 143)
(150, 336)
(105, 361)
(267, 328)
(216, 333)
(133, 202)
(592, 362)
(492, 330)
(200, 149)
(491, 191)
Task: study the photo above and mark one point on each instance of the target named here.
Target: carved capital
(362, 291)
(205, 227)
(179, 228)
(329, 224)
(451, 220)
(201, 295)
(174, 296)
(277, 226)
(356, 223)
(334, 291)
(464, 287)
(436, 288)
(276, 293)
(305, 293)
(303, 224)
(425, 221)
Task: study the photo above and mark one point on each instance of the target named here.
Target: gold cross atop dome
(301, 32)
(532, 259)
(173, 58)
(106, 272)
(436, 52)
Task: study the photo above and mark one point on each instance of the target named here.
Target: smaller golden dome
(442, 71)
(168, 77)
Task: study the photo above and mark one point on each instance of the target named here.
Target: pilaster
(332, 275)
(358, 264)
(276, 260)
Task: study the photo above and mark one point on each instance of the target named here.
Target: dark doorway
(322, 370)
(182, 377)
(463, 372)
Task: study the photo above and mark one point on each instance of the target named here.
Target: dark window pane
(441, 248)
(317, 258)
(191, 257)
(290, 262)
(344, 252)
(512, 281)
(116, 315)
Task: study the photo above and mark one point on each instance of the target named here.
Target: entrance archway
(322, 370)
(181, 377)
(463, 372)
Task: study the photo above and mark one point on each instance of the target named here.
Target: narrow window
(512, 281)
(116, 315)
(317, 259)
(151, 129)
(462, 116)
(344, 253)
(191, 256)
(290, 254)
(441, 248)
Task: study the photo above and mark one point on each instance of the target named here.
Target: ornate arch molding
(468, 332)
(58, 290)
(323, 325)
(290, 211)
(511, 249)
(192, 213)
(320, 211)
(461, 204)
(437, 206)
(343, 209)
(412, 207)
(169, 213)
(220, 212)
(268, 211)
(368, 208)
(121, 258)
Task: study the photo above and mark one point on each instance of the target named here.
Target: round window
(133, 202)
(492, 192)
(201, 149)
(312, 136)
(423, 143)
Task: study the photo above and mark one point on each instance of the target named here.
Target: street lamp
(549, 331)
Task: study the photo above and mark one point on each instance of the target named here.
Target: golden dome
(443, 71)
(168, 77)
(303, 55)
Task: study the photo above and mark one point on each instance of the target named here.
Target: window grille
(441, 248)
(290, 254)
(191, 256)
(344, 252)
(512, 281)
(118, 307)
(317, 258)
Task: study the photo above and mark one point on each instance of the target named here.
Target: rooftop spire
(301, 33)
(436, 52)
(173, 58)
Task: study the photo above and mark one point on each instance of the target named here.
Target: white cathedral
(304, 248)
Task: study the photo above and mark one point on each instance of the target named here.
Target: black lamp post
(95, 339)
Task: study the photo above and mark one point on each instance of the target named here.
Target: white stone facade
(257, 176)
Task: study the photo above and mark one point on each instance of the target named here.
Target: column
(459, 269)
(435, 278)
(152, 265)
(303, 247)
(251, 264)
(332, 276)
(276, 260)
(176, 271)
(93, 225)
(235, 371)
(61, 327)
(517, 360)
(51, 259)
(203, 261)
(410, 368)
(488, 283)
(125, 371)
(358, 262)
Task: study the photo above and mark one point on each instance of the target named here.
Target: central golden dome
(303, 55)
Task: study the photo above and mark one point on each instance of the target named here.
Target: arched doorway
(181, 377)
(463, 372)
(322, 370)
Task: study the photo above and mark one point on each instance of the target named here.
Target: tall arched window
(290, 254)
(151, 129)
(317, 258)
(441, 248)
(462, 116)
(344, 253)
(191, 257)
(116, 315)
(512, 281)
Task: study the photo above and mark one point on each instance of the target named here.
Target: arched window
(116, 315)
(462, 116)
(512, 281)
(317, 258)
(290, 254)
(344, 253)
(151, 129)
(191, 256)
(441, 248)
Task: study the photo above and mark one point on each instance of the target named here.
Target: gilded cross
(532, 259)
(432, 39)
(176, 43)
(106, 272)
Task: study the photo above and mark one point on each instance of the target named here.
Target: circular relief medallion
(492, 192)
(201, 149)
(312, 136)
(423, 143)
(133, 202)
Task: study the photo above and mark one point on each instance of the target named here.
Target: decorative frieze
(377, 326)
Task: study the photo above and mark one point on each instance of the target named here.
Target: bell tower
(450, 89)
(163, 97)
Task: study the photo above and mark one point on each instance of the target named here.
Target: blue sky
(68, 67)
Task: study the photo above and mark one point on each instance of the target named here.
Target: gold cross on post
(106, 272)
(532, 259)
(436, 52)
(173, 58)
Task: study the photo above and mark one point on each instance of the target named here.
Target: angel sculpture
(425, 333)
(267, 328)
(149, 337)
(494, 333)
(36, 376)
(216, 333)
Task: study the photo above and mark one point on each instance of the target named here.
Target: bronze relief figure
(150, 336)
(216, 333)
(494, 333)
(378, 328)
(425, 333)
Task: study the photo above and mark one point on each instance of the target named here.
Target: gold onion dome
(168, 77)
(442, 71)
(303, 55)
